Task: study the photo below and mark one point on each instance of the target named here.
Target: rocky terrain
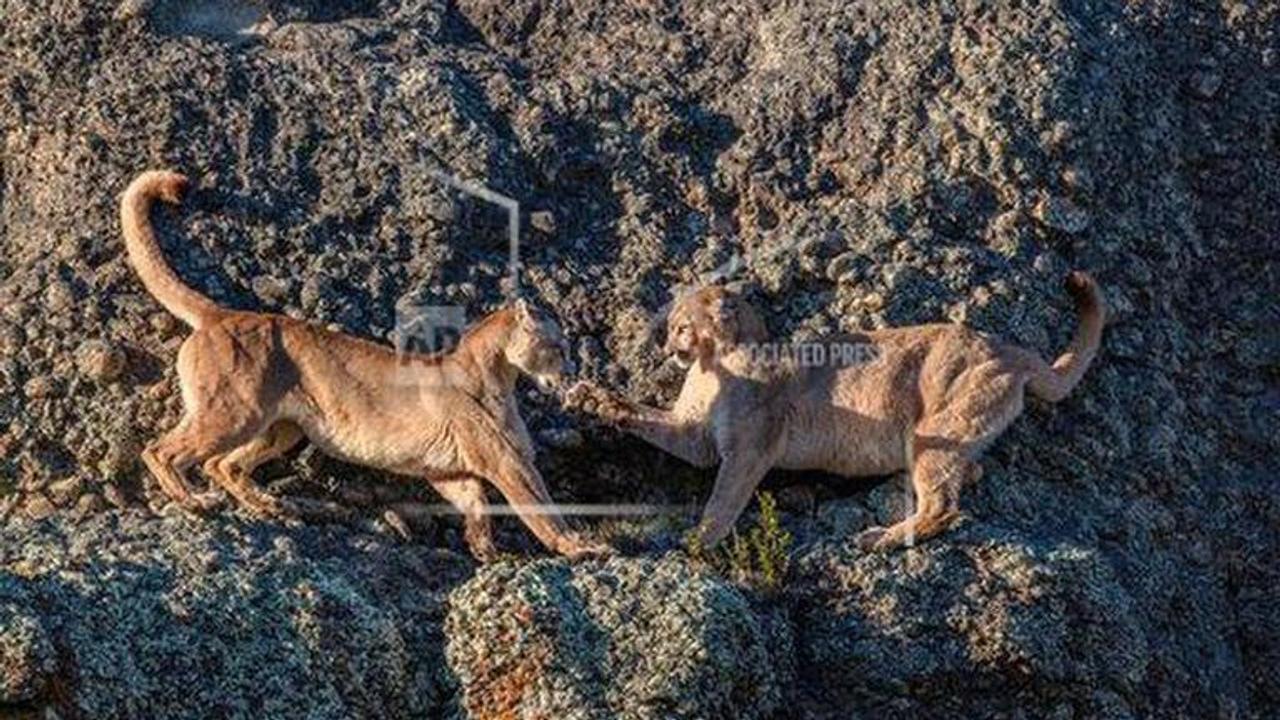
(867, 164)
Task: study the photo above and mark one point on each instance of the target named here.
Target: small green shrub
(693, 546)
(771, 543)
(761, 558)
(738, 557)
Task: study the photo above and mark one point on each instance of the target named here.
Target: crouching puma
(254, 384)
(927, 399)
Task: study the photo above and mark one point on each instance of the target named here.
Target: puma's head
(537, 348)
(710, 320)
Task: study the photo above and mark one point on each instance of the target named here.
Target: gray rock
(27, 659)
(1062, 214)
(397, 523)
(163, 323)
(37, 506)
(176, 617)
(544, 221)
(111, 493)
(842, 267)
(89, 504)
(101, 361)
(65, 492)
(561, 438)
(41, 387)
(1206, 83)
(618, 639)
(270, 290)
(956, 622)
(838, 519)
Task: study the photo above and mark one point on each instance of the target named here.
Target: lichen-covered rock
(179, 618)
(976, 627)
(26, 653)
(623, 638)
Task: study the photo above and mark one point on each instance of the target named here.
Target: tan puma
(254, 384)
(928, 398)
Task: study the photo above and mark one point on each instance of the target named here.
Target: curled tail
(144, 252)
(1055, 382)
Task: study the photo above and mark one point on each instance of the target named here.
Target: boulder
(623, 638)
(173, 617)
(986, 625)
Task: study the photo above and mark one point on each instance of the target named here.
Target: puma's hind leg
(943, 451)
(223, 380)
(166, 459)
(233, 471)
(936, 478)
(199, 437)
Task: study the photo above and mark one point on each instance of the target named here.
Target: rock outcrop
(124, 615)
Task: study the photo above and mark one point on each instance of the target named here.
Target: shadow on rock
(983, 625)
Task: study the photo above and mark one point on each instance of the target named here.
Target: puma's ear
(736, 321)
(724, 322)
(524, 313)
(751, 327)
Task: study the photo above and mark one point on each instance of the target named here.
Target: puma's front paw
(584, 397)
(484, 552)
(591, 399)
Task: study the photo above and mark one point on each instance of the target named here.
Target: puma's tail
(144, 252)
(1055, 382)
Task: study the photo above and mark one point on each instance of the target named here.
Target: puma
(926, 399)
(254, 384)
